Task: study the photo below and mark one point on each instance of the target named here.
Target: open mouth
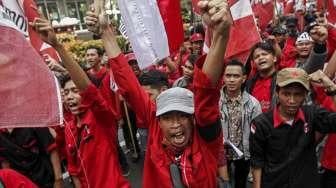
(73, 106)
(263, 62)
(178, 138)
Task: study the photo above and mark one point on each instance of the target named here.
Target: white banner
(145, 30)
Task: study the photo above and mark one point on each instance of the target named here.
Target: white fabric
(145, 30)
(13, 11)
(241, 9)
(304, 37)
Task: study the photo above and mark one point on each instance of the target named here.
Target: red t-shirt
(262, 92)
(92, 149)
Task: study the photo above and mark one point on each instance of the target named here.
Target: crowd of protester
(195, 120)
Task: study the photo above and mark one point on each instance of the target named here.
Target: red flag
(170, 11)
(240, 41)
(288, 6)
(264, 11)
(330, 7)
(29, 93)
(31, 12)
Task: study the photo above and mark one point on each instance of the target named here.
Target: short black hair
(99, 50)
(154, 78)
(66, 78)
(235, 62)
(265, 45)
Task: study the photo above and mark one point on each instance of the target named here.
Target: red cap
(196, 37)
(130, 57)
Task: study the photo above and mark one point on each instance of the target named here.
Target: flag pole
(129, 125)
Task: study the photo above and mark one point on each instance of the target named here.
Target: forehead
(149, 89)
(260, 50)
(233, 69)
(91, 51)
(69, 85)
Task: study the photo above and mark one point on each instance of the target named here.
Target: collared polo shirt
(286, 154)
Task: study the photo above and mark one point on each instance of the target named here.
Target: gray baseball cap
(175, 99)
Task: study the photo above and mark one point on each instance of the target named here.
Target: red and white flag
(29, 92)
(154, 28)
(330, 7)
(264, 11)
(243, 34)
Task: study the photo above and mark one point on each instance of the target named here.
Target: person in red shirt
(262, 84)
(12, 179)
(93, 57)
(186, 81)
(197, 41)
(184, 136)
(91, 134)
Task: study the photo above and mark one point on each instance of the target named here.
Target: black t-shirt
(26, 150)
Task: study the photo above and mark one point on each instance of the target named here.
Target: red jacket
(92, 149)
(12, 179)
(199, 160)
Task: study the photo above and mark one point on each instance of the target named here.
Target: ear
(275, 59)
(244, 78)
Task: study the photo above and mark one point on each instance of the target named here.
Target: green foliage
(78, 47)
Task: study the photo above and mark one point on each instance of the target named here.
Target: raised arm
(48, 35)
(125, 79)
(318, 53)
(219, 22)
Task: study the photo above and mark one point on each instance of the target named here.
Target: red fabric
(288, 56)
(94, 159)
(13, 179)
(288, 7)
(170, 11)
(28, 94)
(31, 12)
(329, 153)
(262, 92)
(331, 42)
(264, 11)
(98, 74)
(195, 7)
(111, 96)
(330, 7)
(239, 43)
(199, 162)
